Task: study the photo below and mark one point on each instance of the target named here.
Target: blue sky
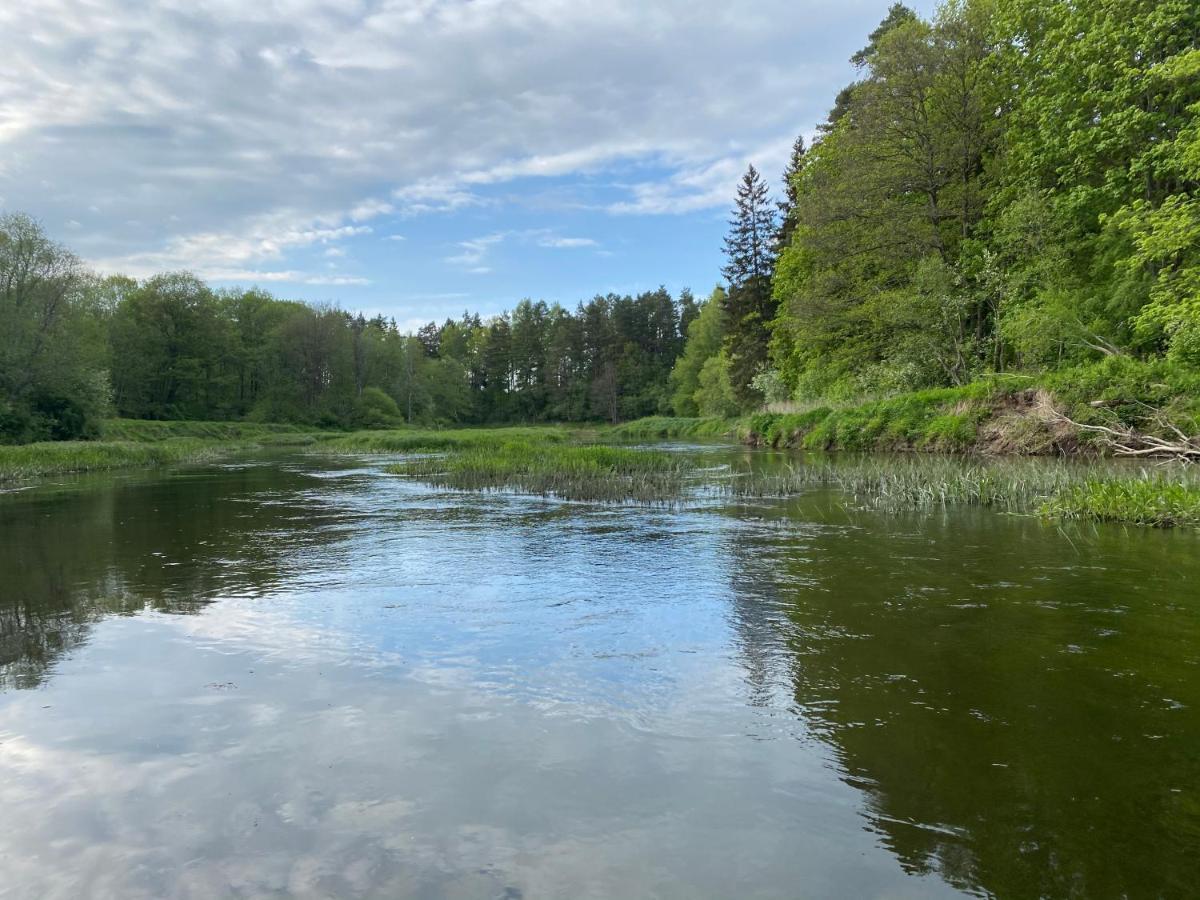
(410, 157)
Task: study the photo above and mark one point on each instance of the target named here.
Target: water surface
(297, 677)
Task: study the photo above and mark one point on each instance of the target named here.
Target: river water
(300, 677)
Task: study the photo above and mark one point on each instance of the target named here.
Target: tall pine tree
(749, 304)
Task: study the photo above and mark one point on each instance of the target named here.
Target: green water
(304, 677)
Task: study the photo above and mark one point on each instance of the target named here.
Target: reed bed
(61, 457)
(1161, 497)
(571, 472)
(418, 440)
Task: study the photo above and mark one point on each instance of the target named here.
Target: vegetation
(419, 440)
(61, 457)
(567, 471)
(75, 348)
(153, 430)
(659, 427)
(1010, 187)
(1114, 494)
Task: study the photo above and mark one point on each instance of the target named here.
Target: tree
(705, 336)
(750, 305)
(53, 383)
(791, 195)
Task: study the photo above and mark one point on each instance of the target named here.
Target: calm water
(297, 677)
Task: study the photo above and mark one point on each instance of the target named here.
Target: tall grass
(60, 457)
(1159, 502)
(146, 430)
(417, 440)
(661, 427)
(567, 471)
(1113, 493)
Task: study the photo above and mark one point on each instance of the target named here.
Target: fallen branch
(1125, 441)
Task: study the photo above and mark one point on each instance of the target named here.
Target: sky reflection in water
(303, 678)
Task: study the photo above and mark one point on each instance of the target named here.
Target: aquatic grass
(572, 472)
(417, 440)
(1063, 489)
(1157, 502)
(61, 457)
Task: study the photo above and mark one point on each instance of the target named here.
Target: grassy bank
(61, 457)
(1010, 415)
(147, 431)
(562, 470)
(669, 428)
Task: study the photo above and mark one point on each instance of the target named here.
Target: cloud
(253, 276)
(472, 253)
(566, 243)
(215, 133)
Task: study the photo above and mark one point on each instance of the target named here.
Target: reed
(571, 472)
(60, 457)
(1112, 493)
(418, 440)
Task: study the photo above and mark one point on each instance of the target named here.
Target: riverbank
(27, 461)
(1074, 412)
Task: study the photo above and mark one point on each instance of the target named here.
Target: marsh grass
(1161, 497)
(61, 457)
(665, 427)
(571, 472)
(149, 431)
(1158, 502)
(417, 440)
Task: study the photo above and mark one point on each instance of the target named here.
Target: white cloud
(254, 276)
(566, 243)
(261, 128)
(472, 253)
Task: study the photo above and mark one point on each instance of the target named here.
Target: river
(295, 676)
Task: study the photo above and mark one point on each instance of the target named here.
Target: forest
(1010, 187)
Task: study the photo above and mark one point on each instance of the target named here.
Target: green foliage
(566, 471)
(943, 419)
(705, 335)
(376, 409)
(1158, 501)
(53, 380)
(151, 431)
(411, 440)
(715, 395)
(660, 427)
(40, 459)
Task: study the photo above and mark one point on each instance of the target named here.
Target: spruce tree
(791, 196)
(750, 251)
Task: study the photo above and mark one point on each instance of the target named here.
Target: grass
(942, 419)
(571, 472)
(61, 457)
(1157, 502)
(1060, 490)
(418, 440)
(144, 430)
(664, 427)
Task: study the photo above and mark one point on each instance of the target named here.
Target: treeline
(1010, 186)
(75, 348)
